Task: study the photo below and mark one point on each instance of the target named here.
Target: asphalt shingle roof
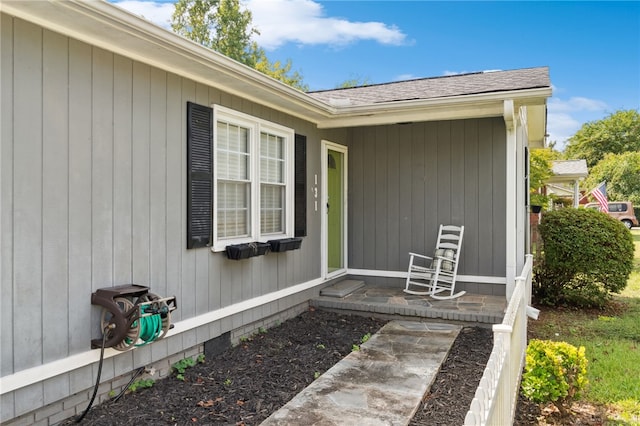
(569, 167)
(438, 87)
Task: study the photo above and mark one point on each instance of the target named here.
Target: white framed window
(253, 179)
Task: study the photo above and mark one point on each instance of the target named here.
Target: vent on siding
(199, 175)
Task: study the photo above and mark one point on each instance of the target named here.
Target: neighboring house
(132, 155)
(565, 181)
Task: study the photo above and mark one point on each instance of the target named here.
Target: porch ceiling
(109, 27)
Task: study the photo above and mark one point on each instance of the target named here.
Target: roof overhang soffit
(537, 124)
(532, 116)
(104, 25)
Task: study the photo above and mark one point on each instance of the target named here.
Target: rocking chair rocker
(437, 274)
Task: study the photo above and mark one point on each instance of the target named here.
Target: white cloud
(304, 22)
(576, 103)
(449, 73)
(157, 12)
(560, 127)
(405, 77)
(287, 21)
(565, 117)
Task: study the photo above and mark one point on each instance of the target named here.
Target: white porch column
(576, 193)
(511, 196)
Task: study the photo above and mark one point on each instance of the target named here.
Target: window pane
(272, 189)
(233, 188)
(271, 158)
(272, 209)
(232, 159)
(223, 136)
(233, 209)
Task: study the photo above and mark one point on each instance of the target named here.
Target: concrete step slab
(342, 288)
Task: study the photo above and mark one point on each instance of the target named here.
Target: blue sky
(592, 48)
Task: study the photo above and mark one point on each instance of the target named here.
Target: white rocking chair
(437, 274)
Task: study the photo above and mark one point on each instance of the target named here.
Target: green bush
(587, 255)
(555, 372)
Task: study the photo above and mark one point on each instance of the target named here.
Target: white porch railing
(495, 400)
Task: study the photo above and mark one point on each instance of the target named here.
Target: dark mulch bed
(246, 383)
(453, 389)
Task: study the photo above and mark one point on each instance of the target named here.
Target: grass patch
(611, 338)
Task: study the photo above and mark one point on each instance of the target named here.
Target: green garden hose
(150, 328)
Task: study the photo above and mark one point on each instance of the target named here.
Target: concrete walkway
(381, 384)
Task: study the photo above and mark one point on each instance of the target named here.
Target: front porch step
(342, 288)
(391, 302)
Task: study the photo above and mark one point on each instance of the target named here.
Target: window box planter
(247, 250)
(286, 244)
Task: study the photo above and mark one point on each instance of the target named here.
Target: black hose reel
(131, 316)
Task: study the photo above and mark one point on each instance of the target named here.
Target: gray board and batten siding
(94, 195)
(406, 179)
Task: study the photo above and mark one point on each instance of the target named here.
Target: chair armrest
(420, 255)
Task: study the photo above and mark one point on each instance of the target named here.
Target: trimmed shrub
(555, 372)
(587, 255)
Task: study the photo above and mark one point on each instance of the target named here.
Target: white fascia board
(566, 178)
(447, 108)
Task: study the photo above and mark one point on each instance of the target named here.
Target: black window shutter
(300, 189)
(199, 175)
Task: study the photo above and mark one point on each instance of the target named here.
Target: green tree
(233, 32)
(622, 174)
(195, 20)
(354, 81)
(278, 70)
(539, 172)
(222, 26)
(616, 134)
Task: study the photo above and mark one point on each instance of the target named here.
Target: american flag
(600, 193)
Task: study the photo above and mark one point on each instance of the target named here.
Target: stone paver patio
(392, 301)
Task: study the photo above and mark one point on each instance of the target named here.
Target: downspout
(510, 196)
